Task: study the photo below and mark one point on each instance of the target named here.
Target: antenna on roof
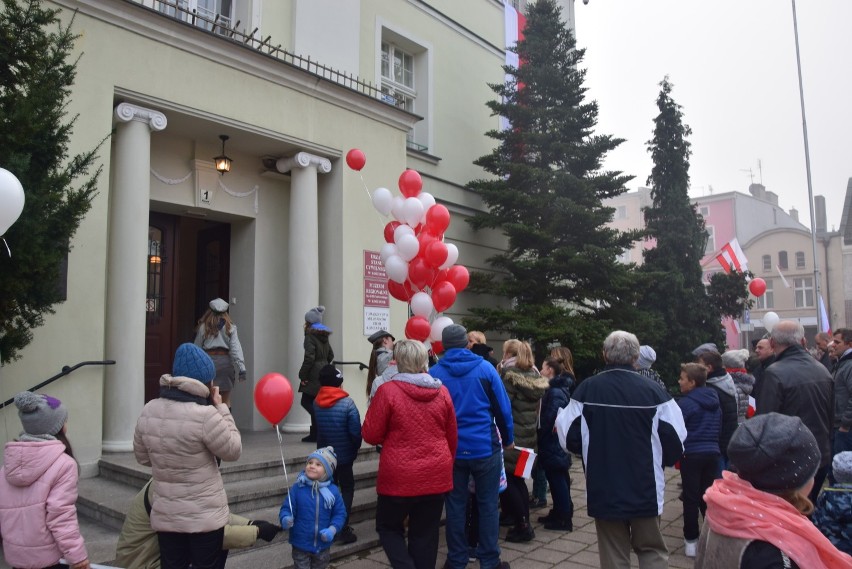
(750, 173)
(760, 169)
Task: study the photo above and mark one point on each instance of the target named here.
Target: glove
(287, 522)
(327, 534)
(242, 377)
(265, 530)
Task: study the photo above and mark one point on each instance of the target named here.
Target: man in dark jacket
(720, 380)
(609, 419)
(767, 357)
(482, 408)
(842, 439)
(798, 385)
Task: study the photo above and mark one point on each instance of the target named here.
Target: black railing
(361, 365)
(65, 371)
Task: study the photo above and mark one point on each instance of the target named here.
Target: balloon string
(284, 464)
(7, 248)
(370, 196)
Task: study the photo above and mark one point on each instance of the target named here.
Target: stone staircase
(255, 486)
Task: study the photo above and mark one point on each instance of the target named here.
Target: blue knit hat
(327, 458)
(192, 361)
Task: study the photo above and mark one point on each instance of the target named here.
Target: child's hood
(328, 396)
(26, 462)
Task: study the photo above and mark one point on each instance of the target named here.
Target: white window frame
(803, 292)
(704, 211)
(786, 257)
(767, 300)
(801, 261)
(206, 8)
(767, 262)
(711, 240)
(621, 212)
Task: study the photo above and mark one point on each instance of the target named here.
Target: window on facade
(767, 300)
(154, 295)
(800, 259)
(621, 212)
(624, 258)
(704, 211)
(767, 262)
(404, 71)
(711, 240)
(782, 259)
(208, 10)
(803, 292)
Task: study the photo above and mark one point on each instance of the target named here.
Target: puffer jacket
(525, 389)
(412, 417)
(721, 381)
(744, 382)
(702, 416)
(179, 435)
(338, 423)
(311, 514)
(318, 354)
(557, 396)
(833, 516)
(38, 515)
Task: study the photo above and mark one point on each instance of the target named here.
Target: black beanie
(330, 376)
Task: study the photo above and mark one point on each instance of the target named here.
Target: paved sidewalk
(559, 549)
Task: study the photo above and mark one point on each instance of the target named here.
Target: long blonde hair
(565, 357)
(521, 351)
(211, 322)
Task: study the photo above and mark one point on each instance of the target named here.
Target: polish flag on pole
(823, 315)
(523, 468)
(732, 257)
(783, 278)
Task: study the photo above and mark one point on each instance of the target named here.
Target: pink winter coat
(38, 516)
(180, 440)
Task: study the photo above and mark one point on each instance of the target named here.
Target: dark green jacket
(525, 389)
(318, 354)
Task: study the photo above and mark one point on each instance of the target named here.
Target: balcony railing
(224, 27)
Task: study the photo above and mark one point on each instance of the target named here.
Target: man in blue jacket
(627, 428)
(482, 409)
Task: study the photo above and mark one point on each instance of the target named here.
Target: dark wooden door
(213, 273)
(160, 323)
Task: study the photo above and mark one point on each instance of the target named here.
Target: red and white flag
(752, 407)
(732, 257)
(523, 468)
(514, 23)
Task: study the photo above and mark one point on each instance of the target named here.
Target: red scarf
(737, 509)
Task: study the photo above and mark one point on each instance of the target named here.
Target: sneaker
(347, 535)
(690, 548)
(520, 535)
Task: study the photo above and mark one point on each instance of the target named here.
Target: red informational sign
(375, 281)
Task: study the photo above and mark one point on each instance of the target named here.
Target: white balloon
(770, 319)
(11, 200)
(382, 200)
(388, 249)
(427, 199)
(421, 304)
(408, 246)
(400, 231)
(396, 268)
(396, 208)
(412, 210)
(452, 256)
(438, 326)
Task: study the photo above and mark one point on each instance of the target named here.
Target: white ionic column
(303, 248)
(124, 387)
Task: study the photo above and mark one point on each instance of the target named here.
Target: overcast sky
(733, 66)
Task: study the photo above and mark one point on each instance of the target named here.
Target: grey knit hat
(40, 414)
(314, 315)
(735, 358)
(454, 336)
(842, 467)
(774, 452)
(647, 357)
(328, 458)
(708, 347)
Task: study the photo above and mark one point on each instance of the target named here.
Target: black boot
(312, 436)
(559, 523)
(520, 533)
(551, 515)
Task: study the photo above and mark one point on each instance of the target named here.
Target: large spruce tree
(560, 270)
(36, 74)
(674, 294)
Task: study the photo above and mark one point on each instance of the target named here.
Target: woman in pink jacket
(38, 490)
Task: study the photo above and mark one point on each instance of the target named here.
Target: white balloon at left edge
(382, 200)
(11, 200)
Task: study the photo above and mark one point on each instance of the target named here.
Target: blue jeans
(486, 477)
(560, 490)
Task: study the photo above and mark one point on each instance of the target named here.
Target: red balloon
(417, 328)
(435, 254)
(459, 276)
(419, 273)
(757, 286)
(425, 238)
(440, 277)
(437, 347)
(437, 219)
(273, 397)
(443, 296)
(389, 229)
(355, 159)
(400, 291)
(410, 183)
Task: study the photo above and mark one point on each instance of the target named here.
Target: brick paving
(559, 549)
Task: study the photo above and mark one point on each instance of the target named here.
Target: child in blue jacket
(317, 512)
(833, 514)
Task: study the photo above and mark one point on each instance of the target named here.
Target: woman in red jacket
(413, 418)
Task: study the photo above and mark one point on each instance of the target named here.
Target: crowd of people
(762, 443)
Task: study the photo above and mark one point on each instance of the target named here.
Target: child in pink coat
(38, 489)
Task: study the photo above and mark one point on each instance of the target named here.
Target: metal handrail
(361, 366)
(65, 371)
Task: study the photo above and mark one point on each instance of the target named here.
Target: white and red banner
(732, 257)
(514, 24)
(523, 468)
(823, 315)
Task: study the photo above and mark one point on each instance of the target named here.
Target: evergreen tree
(674, 292)
(35, 82)
(560, 268)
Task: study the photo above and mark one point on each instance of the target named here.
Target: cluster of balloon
(273, 397)
(421, 267)
(757, 286)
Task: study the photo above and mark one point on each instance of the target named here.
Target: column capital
(303, 160)
(125, 112)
